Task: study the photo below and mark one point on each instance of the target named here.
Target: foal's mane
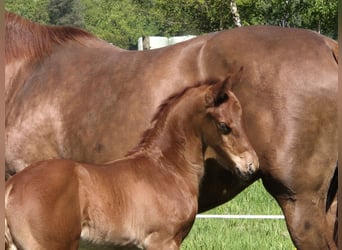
(160, 116)
(26, 39)
(168, 102)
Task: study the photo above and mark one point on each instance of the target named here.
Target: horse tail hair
(332, 191)
(9, 243)
(333, 45)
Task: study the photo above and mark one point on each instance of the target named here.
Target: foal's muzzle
(246, 164)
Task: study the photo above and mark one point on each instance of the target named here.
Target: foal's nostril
(250, 168)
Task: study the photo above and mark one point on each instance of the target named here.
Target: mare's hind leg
(302, 197)
(307, 224)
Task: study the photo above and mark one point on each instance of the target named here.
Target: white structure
(154, 42)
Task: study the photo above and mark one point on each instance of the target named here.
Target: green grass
(241, 234)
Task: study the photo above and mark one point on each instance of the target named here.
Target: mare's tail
(9, 243)
(332, 191)
(331, 196)
(333, 45)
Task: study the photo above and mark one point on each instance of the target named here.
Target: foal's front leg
(161, 246)
(156, 242)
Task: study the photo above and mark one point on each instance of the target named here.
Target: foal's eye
(224, 128)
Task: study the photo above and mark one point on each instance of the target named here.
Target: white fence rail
(155, 42)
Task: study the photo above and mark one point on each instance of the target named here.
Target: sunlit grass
(242, 234)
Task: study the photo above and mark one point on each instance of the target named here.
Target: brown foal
(147, 199)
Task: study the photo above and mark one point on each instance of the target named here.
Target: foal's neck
(174, 143)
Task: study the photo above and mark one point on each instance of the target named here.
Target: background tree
(66, 12)
(235, 13)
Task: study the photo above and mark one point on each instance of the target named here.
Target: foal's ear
(217, 93)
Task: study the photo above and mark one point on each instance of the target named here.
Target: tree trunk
(235, 13)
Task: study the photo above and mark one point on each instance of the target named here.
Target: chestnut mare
(147, 199)
(71, 95)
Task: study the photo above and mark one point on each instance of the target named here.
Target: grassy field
(241, 234)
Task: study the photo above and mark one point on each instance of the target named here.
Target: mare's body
(67, 100)
(147, 199)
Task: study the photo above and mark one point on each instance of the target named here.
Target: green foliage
(322, 16)
(121, 22)
(65, 12)
(182, 17)
(33, 10)
(271, 12)
(319, 15)
(174, 17)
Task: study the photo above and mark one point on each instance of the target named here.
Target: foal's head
(222, 129)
